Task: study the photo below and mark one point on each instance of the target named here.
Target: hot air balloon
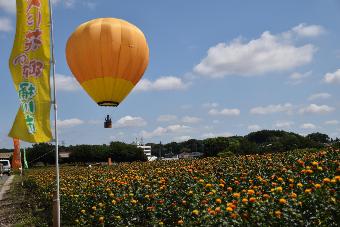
(107, 56)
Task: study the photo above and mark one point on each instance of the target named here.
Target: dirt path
(5, 187)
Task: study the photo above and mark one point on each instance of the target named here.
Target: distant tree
(318, 137)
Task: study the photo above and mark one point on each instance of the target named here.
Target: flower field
(295, 188)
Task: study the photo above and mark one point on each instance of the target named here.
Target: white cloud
(167, 117)
(254, 127)
(210, 105)
(181, 138)
(129, 121)
(323, 95)
(211, 135)
(162, 83)
(317, 109)
(8, 5)
(224, 112)
(68, 123)
(283, 124)
(190, 120)
(66, 83)
(332, 122)
(5, 25)
(297, 78)
(305, 30)
(268, 53)
(159, 131)
(280, 108)
(308, 126)
(332, 78)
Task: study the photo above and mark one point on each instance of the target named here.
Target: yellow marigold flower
(317, 185)
(146, 196)
(161, 223)
(133, 201)
(201, 181)
(244, 200)
(101, 219)
(180, 222)
(308, 190)
(280, 179)
(219, 201)
(315, 163)
(236, 195)
(299, 185)
(279, 189)
(195, 212)
(229, 209)
(101, 205)
(291, 180)
(282, 201)
(112, 195)
(251, 192)
(82, 211)
(320, 168)
(333, 181)
(190, 192)
(94, 208)
(208, 185)
(326, 180)
(113, 202)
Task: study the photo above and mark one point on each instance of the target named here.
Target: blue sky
(217, 68)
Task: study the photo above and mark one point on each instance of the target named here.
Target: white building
(147, 152)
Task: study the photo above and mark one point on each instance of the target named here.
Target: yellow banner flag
(30, 68)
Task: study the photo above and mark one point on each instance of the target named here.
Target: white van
(6, 166)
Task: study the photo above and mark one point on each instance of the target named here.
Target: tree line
(259, 142)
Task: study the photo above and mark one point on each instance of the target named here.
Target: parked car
(6, 166)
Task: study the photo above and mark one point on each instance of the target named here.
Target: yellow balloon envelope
(108, 56)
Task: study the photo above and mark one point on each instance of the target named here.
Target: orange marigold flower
(266, 196)
(252, 200)
(244, 200)
(236, 195)
(308, 190)
(221, 185)
(326, 180)
(279, 189)
(293, 195)
(280, 179)
(278, 213)
(250, 192)
(101, 219)
(233, 215)
(180, 222)
(282, 201)
(317, 185)
(229, 189)
(229, 209)
(219, 201)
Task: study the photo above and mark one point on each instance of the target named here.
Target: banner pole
(57, 199)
